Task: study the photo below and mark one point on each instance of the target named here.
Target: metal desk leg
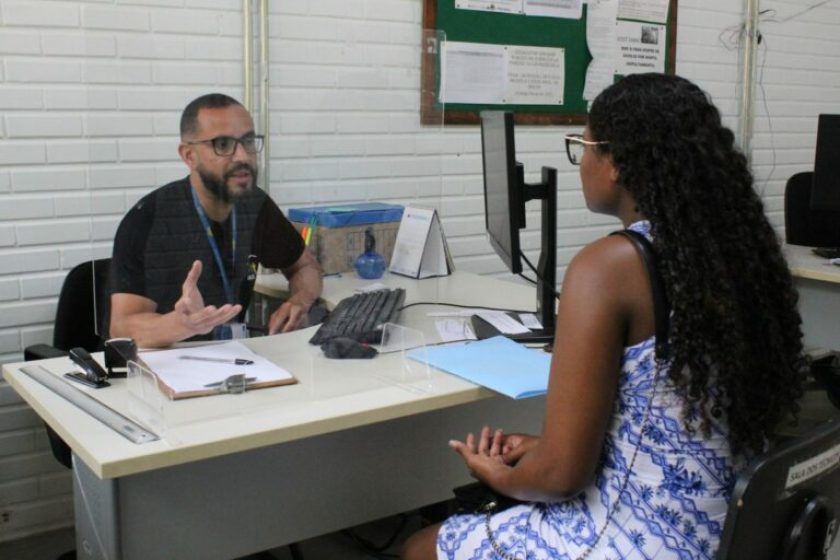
(95, 507)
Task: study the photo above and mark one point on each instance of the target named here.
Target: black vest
(177, 238)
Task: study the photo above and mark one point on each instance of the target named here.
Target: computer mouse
(341, 348)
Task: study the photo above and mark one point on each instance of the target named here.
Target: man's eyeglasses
(575, 144)
(226, 145)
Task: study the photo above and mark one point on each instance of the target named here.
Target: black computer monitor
(825, 191)
(505, 195)
(504, 209)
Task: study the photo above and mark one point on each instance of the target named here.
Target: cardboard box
(339, 231)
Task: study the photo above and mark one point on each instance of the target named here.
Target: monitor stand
(546, 192)
(483, 329)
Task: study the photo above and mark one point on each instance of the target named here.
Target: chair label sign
(813, 467)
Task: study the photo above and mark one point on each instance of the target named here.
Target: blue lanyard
(213, 245)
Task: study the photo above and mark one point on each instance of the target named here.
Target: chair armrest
(256, 330)
(42, 351)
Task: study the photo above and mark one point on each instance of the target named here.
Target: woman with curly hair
(644, 435)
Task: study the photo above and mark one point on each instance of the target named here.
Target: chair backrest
(804, 226)
(786, 503)
(83, 307)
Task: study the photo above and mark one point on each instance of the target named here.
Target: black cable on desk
(441, 343)
(533, 268)
(467, 307)
(531, 346)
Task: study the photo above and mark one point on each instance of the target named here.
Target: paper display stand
(420, 250)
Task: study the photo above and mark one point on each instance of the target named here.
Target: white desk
(818, 283)
(352, 442)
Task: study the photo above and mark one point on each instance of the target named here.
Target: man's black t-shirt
(160, 237)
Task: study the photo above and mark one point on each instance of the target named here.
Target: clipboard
(200, 371)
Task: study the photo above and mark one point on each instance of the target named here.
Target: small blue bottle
(370, 264)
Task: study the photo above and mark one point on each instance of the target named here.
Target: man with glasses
(185, 256)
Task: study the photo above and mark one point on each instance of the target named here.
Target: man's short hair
(189, 118)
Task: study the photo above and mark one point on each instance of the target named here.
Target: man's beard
(218, 185)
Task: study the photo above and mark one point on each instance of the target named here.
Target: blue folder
(497, 363)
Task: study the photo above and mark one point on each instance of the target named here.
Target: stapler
(92, 374)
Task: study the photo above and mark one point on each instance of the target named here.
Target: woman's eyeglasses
(575, 144)
(226, 145)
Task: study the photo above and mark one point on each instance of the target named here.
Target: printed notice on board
(506, 6)
(567, 9)
(641, 47)
(502, 74)
(535, 76)
(473, 73)
(644, 10)
(601, 40)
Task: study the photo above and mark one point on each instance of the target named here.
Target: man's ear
(187, 154)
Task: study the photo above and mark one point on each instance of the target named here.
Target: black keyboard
(361, 316)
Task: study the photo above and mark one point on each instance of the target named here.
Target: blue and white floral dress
(675, 499)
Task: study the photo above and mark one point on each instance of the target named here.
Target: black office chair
(786, 503)
(79, 321)
(826, 374)
(803, 225)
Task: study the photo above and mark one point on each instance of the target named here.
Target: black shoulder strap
(661, 307)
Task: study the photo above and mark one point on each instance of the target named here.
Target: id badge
(230, 331)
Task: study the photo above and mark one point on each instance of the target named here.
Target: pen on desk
(234, 361)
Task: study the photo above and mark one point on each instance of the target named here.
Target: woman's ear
(613, 172)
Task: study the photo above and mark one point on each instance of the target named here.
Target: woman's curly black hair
(735, 326)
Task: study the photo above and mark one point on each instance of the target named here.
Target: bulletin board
(443, 18)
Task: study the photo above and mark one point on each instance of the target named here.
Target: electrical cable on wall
(806, 10)
(762, 42)
(731, 38)
(735, 32)
(769, 16)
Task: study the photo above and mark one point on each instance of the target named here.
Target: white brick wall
(91, 92)
(801, 79)
(90, 95)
